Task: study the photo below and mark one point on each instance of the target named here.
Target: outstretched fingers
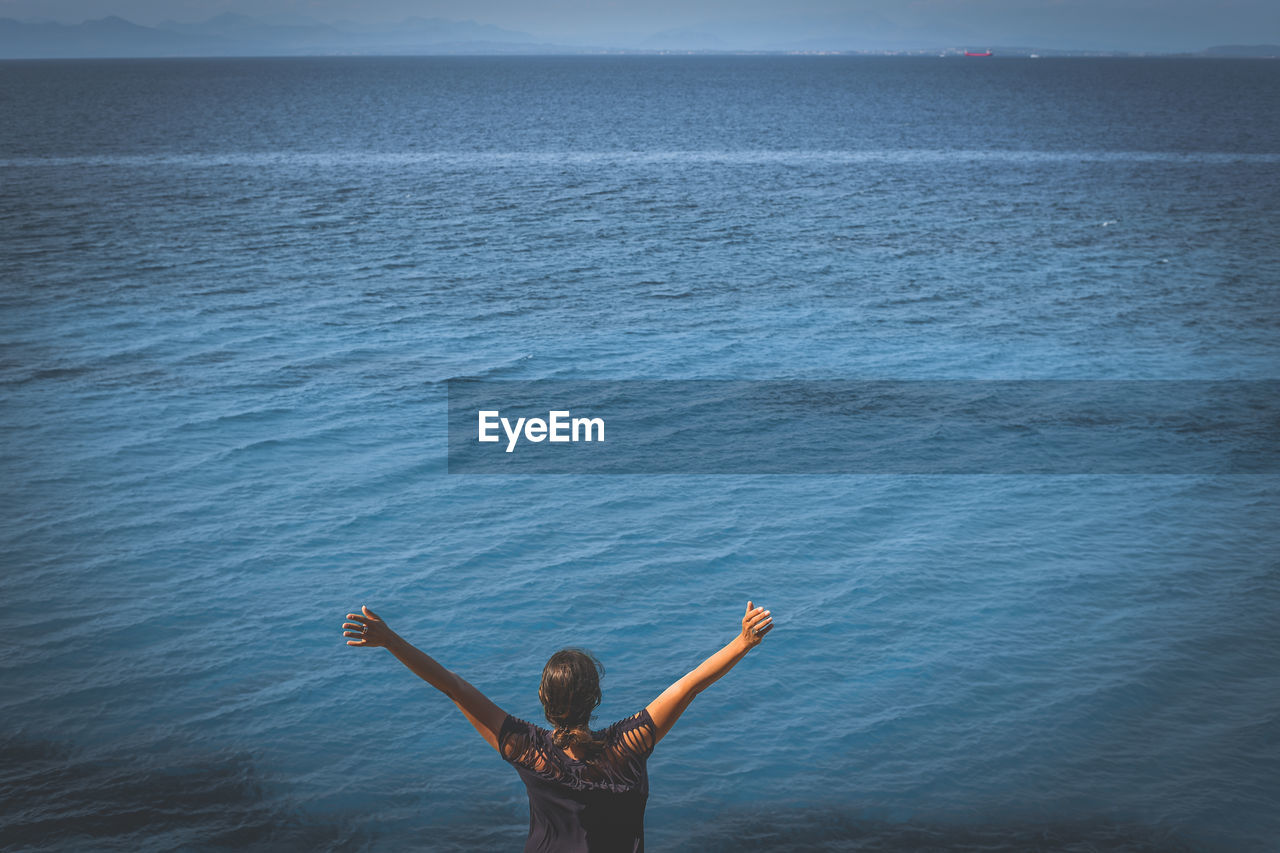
(756, 622)
(366, 628)
(355, 627)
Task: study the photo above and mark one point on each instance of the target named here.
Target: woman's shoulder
(521, 733)
(525, 744)
(633, 735)
(517, 725)
(638, 720)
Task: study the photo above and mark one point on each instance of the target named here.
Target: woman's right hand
(755, 624)
(367, 629)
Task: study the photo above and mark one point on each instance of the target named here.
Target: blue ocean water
(232, 293)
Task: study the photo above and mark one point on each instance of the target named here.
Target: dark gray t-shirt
(576, 806)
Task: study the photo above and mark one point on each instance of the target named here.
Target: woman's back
(583, 805)
(594, 802)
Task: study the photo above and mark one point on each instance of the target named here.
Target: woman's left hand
(367, 629)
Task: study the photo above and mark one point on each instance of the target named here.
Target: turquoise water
(233, 291)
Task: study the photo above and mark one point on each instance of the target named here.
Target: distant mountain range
(1269, 51)
(241, 35)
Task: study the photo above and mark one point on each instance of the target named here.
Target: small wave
(57, 373)
(492, 370)
(260, 444)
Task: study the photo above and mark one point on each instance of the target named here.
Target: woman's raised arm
(668, 707)
(369, 631)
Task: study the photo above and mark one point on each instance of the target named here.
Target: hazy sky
(1121, 24)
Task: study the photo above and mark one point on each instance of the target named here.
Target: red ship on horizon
(977, 53)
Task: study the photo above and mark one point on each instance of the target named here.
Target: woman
(587, 790)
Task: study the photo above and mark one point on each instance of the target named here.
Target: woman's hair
(570, 692)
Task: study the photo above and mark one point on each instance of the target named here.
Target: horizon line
(528, 45)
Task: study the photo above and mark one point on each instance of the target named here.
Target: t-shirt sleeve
(634, 737)
(517, 741)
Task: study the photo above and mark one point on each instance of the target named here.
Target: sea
(233, 292)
